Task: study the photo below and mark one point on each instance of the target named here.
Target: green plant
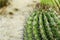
(43, 23)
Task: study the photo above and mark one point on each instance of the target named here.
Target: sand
(13, 19)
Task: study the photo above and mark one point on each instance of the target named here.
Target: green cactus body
(53, 26)
(36, 26)
(42, 25)
(28, 32)
(56, 19)
(47, 28)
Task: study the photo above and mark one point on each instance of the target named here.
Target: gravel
(13, 18)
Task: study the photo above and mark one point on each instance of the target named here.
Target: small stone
(10, 13)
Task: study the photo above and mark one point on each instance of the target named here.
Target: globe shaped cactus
(42, 25)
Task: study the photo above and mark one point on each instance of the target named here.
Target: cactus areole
(43, 24)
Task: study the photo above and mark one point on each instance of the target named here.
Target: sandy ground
(12, 21)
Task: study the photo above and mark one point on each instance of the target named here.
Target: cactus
(42, 25)
(45, 24)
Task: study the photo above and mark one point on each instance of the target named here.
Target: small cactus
(42, 25)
